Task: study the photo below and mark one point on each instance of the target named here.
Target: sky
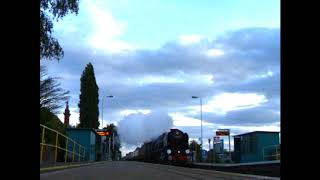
(152, 56)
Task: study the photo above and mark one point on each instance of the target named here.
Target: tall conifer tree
(89, 99)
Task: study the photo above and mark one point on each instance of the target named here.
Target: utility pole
(209, 149)
(229, 146)
(112, 141)
(109, 149)
(201, 126)
(102, 114)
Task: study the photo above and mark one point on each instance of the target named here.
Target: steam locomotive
(170, 148)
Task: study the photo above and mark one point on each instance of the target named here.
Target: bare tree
(52, 96)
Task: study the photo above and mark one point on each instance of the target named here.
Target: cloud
(215, 52)
(243, 83)
(94, 28)
(181, 120)
(138, 128)
(131, 111)
(189, 39)
(225, 102)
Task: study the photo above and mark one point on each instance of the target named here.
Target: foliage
(113, 129)
(50, 120)
(52, 96)
(89, 99)
(194, 146)
(53, 10)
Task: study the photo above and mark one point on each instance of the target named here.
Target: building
(87, 137)
(250, 147)
(204, 154)
(218, 147)
(67, 114)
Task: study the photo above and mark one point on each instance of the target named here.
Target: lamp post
(102, 122)
(201, 125)
(102, 110)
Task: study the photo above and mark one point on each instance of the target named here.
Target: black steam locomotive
(169, 148)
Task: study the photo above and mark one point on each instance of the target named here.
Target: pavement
(239, 164)
(132, 170)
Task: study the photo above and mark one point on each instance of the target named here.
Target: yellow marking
(67, 166)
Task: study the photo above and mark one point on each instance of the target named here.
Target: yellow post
(84, 153)
(78, 152)
(74, 145)
(42, 139)
(66, 149)
(55, 156)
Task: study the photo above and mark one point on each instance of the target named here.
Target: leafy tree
(114, 133)
(50, 120)
(194, 146)
(52, 96)
(53, 10)
(89, 99)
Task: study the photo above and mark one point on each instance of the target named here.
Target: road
(130, 170)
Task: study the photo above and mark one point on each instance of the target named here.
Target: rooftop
(256, 132)
(81, 129)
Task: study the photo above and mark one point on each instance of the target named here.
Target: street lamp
(102, 121)
(102, 110)
(195, 97)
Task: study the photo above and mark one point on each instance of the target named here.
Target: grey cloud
(138, 128)
(248, 52)
(257, 116)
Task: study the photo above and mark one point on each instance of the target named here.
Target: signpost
(225, 132)
(216, 139)
(104, 133)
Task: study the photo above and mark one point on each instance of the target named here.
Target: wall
(261, 140)
(267, 139)
(86, 138)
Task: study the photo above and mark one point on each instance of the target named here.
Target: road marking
(67, 167)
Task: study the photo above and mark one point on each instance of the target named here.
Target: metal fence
(56, 147)
(271, 153)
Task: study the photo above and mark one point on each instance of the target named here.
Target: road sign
(101, 133)
(223, 133)
(216, 139)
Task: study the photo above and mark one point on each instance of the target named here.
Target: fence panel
(55, 148)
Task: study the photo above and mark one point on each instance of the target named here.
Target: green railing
(271, 153)
(61, 142)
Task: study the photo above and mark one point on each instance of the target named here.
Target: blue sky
(154, 55)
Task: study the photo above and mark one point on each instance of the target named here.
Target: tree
(52, 96)
(114, 133)
(89, 99)
(53, 10)
(194, 146)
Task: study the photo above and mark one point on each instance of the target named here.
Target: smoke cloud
(137, 128)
